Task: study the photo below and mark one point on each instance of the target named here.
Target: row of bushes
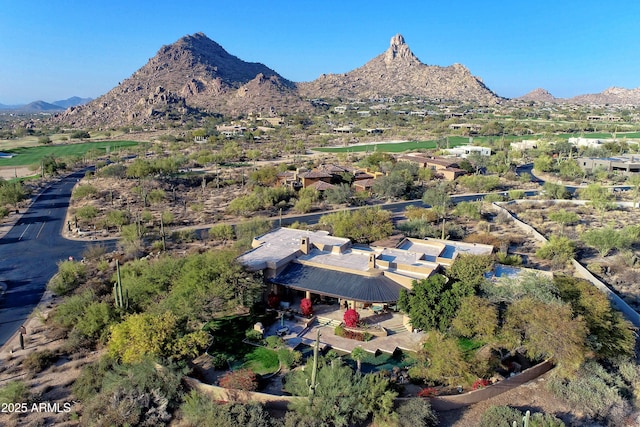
(341, 331)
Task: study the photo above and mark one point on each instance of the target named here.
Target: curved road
(30, 251)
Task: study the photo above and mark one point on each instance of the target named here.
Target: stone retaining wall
(447, 403)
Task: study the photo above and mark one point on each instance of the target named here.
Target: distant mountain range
(42, 106)
(195, 76)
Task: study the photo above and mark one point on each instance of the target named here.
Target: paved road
(30, 251)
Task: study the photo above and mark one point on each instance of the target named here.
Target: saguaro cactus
(121, 300)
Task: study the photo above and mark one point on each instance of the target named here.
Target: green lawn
(262, 361)
(392, 147)
(25, 156)
(455, 141)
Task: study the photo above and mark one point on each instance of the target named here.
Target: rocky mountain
(538, 95)
(40, 106)
(398, 71)
(72, 102)
(195, 75)
(613, 95)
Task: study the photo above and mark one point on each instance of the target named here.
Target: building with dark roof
(316, 264)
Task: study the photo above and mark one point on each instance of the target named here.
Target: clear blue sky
(52, 50)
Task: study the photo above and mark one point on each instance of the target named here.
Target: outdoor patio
(327, 316)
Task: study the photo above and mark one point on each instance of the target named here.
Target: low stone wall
(447, 403)
(230, 395)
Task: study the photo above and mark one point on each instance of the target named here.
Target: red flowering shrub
(242, 379)
(351, 318)
(480, 383)
(428, 392)
(273, 300)
(305, 307)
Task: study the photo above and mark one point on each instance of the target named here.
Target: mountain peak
(399, 51)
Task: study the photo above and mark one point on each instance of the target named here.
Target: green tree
(221, 232)
(559, 249)
(416, 412)
(431, 303)
(358, 354)
(605, 239)
(468, 270)
(441, 360)
(564, 218)
(362, 225)
(547, 331)
(156, 335)
(12, 192)
(634, 182)
(339, 194)
(599, 197)
(440, 202)
(543, 163)
(610, 334)
(476, 318)
(555, 191)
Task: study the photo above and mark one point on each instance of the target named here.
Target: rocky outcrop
(398, 72)
(613, 95)
(194, 75)
(537, 95)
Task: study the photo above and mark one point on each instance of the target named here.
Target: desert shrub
(68, 312)
(351, 318)
(84, 191)
(416, 412)
(506, 259)
(183, 236)
(415, 213)
(144, 393)
(516, 194)
(156, 196)
(94, 252)
(599, 392)
(484, 238)
(339, 331)
(199, 410)
(289, 358)
(559, 249)
(506, 416)
(14, 392)
(70, 274)
(220, 360)
(38, 361)
(274, 342)
(3, 212)
(253, 335)
(241, 379)
(87, 212)
(95, 320)
(221, 232)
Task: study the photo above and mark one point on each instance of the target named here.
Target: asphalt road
(30, 251)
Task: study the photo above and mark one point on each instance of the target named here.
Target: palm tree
(358, 354)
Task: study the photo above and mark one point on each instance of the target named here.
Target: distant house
(626, 163)
(364, 185)
(469, 126)
(464, 150)
(311, 177)
(443, 167)
(526, 144)
(321, 186)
